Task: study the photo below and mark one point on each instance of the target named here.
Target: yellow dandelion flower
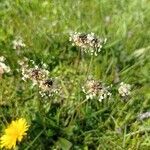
(13, 133)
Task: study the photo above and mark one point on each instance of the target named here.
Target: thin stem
(89, 66)
(81, 103)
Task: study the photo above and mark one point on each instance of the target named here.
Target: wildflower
(144, 115)
(3, 67)
(48, 88)
(2, 58)
(14, 133)
(89, 42)
(34, 73)
(23, 62)
(39, 77)
(37, 74)
(124, 89)
(95, 89)
(18, 44)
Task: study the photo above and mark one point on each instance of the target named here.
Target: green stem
(89, 66)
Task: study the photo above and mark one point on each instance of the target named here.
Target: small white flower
(2, 58)
(39, 77)
(124, 89)
(18, 44)
(35, 74)
(5, 67)
(96, 90)
(44, 65)
(48, 87)
(88, 42)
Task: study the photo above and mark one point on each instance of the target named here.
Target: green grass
(70, 123)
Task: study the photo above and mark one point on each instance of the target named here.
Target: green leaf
(64, 144)
(69, 130)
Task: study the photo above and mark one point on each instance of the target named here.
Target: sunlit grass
(68, 120)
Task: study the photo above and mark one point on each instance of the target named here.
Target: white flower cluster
(39, 77)
(18, 44)
(89, 42)
(95, 90)
(3, 67)
(34, 73)
(48, 87)
(124, 89)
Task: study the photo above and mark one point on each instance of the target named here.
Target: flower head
(35, 73)
(48, 88)
(89, 42)
(2, 58)
(95, 89)
(3, 67)
(18, 44)
(14, 133)
(124, 89)
(39, 77)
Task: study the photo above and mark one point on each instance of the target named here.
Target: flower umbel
(95, 89)
(3, 67)
(18, 44)
(13, 133)
(48, 87)
(89, 42)
(39, 77)
(124, 89)
(35, 73)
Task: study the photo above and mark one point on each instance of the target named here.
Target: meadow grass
(67, 121)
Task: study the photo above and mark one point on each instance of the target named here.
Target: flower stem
(89, 66)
